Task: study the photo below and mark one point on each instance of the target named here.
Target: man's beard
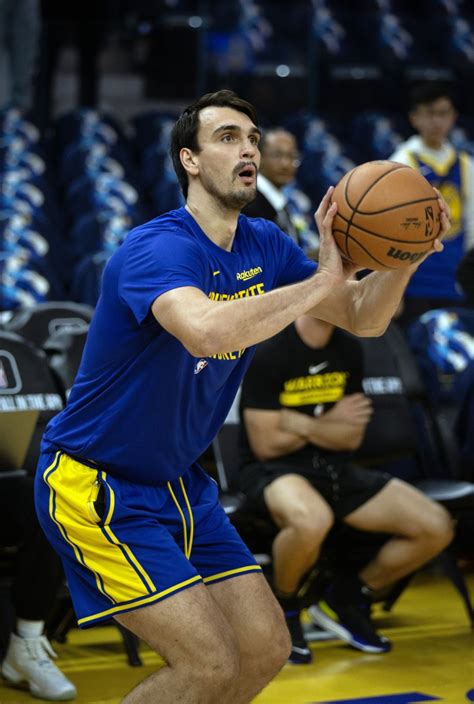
(235, 200)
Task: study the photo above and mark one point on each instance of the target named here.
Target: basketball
(387, 215)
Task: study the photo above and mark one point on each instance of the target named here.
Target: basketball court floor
(432, 660)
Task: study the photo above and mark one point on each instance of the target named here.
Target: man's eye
(227, 138)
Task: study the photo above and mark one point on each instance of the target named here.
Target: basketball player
(119, 492)
(432, 114)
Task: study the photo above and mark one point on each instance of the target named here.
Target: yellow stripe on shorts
(118, 573)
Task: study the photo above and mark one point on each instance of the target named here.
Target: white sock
(29, 629)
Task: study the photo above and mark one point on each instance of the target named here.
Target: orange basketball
(387, 215)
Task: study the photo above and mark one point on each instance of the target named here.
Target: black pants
(37, 569)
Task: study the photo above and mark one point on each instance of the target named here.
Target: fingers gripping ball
(387, 215)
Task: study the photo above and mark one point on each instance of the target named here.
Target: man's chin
(247, 195)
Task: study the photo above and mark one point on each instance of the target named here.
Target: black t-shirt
(286, 373)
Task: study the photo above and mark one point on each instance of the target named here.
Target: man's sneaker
(300, 653)
(350, 621)
(28, 662)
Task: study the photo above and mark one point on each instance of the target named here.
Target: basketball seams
(383, 237)
(395, 227)
(377, 180)
(354, 209)
(395, 207)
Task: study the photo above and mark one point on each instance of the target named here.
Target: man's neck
(217, 222)
(433, 145)
(313, 332)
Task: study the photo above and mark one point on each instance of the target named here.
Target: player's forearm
(231, 325)
(378, 297)
(322, 432)
(276, 444)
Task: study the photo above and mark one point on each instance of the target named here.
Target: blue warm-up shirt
(142, 406)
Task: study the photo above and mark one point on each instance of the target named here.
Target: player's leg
(373, 501)
(420, 529)
(122, 549)
(259, 626)
(201, 651)
(304, 519)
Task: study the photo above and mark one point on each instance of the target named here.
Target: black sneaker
(300, 653)
(350, 621)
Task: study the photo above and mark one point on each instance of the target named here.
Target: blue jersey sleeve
(156, 265)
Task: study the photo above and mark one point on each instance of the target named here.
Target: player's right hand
(330, 259)
(354, 409)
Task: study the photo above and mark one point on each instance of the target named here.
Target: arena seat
(64, 351)
(27, 383)
(37, 324)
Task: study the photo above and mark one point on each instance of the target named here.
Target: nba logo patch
(202, 364)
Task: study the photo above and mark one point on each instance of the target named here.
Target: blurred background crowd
(89, 92)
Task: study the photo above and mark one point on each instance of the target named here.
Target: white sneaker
(28, 660)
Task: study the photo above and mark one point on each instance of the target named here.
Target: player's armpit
(179, 312)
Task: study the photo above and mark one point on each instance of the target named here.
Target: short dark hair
(429, 92)
(185, 130)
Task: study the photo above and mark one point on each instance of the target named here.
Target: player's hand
(330, 260)
(445, 219)
(353, 409)
(445, 215)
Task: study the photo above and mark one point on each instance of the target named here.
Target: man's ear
(189, 162)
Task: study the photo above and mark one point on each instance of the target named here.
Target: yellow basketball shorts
(126, 545)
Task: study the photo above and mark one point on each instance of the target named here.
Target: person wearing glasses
(278, 199)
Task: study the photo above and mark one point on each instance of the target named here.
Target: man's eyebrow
(235, 128)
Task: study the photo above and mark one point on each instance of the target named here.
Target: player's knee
(217, 670)
(437, 527)
(265, 662)
(312, 527)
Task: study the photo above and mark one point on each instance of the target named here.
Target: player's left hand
(445, 220)
(438, 246)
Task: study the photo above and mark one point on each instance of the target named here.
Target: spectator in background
(277, 197)
(19, 33)
(37, 580)
(433, 114)
(304, 413)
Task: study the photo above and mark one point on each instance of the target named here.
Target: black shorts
(343, 485)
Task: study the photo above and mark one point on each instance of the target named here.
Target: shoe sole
(17, 680)
(300, 656)
(324, 621)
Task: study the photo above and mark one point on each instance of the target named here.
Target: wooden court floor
(432, 660)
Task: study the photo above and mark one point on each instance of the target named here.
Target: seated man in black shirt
(304, 412)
